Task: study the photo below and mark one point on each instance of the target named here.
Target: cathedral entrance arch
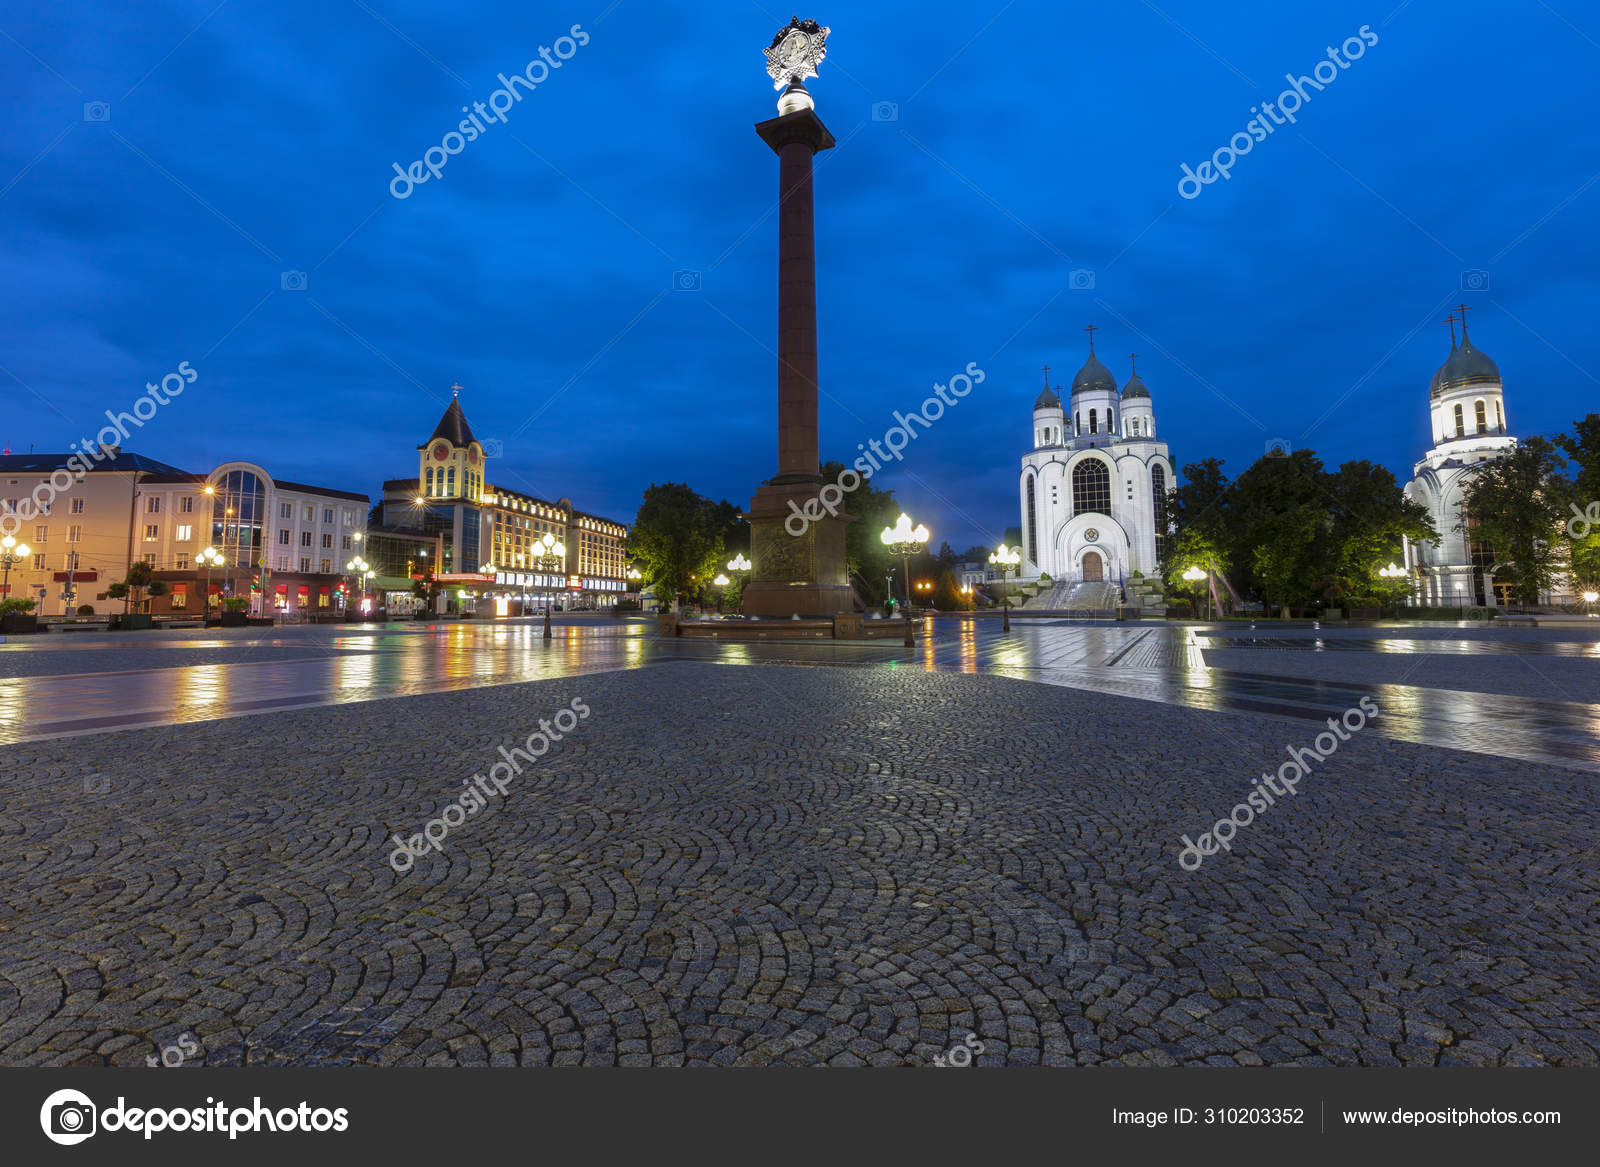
(1093, 567)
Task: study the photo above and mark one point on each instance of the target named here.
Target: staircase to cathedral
(1069, 596)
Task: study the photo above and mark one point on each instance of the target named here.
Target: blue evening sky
(1299, 299)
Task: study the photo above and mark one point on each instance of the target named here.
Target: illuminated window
(1481, 417)
(1461, 424)
(1091, 487)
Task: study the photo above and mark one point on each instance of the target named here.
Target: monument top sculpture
(794, 55)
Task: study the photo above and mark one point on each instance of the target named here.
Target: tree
(1582, 447)
(947, 595)
(678, 540)
(1518, 506)
(869, 511)
(1371, 519)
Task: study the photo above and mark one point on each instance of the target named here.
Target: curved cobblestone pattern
(748, 866)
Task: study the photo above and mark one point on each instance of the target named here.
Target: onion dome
(1049, 399)
(1093, 375)
(1467, 366)
(1135, 387)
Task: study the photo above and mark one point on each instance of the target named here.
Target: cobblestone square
(844, 864)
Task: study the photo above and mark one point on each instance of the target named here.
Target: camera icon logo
(292, 281)
(68, 1117)
(493, 448)
(1475, 280)
(1081, 279)
(686, 281)
(1279, 448)
(97, 111)
(885, 111)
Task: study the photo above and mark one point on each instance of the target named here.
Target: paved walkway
(1531, 694)
(849, 865)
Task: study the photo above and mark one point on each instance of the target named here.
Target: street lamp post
(359, 568)
(738, 565)
(721, 582)
(550, 556)
(1393, 571)
(1006, 559)
(910, 541)
(1194, 575)
(10, 552)
(212, 558)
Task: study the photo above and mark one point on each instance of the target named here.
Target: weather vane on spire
(456, 388)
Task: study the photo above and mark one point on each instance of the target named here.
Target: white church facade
(1468, 416)
(1093, 487)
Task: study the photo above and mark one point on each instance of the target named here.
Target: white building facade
(1467, 413)
(1093, 487)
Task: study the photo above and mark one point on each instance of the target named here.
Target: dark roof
(1093, 375)
(46, 463)
(1465, 366)
(1049, 399)
(301, 486)
(453, 426)
(157, 479)
(397, 483)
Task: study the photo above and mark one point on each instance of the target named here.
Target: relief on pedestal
(779, 556)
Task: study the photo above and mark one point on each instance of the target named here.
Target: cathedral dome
(1134, 388)
(1466, 366)
(1093, 375)
(1047, 400)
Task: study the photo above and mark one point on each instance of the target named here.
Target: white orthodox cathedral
(1467, 407)
(1094, 485)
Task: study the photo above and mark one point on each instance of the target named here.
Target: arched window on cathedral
(1482, 417)
(430, 480)
(1091, 487)
(450, 482)
(1033, 525)
(1094, 421)
(1080, 421)
(1461, 424)
(1499, 421)
(1158, 496)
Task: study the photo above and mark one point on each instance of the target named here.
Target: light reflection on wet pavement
(103, 683)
